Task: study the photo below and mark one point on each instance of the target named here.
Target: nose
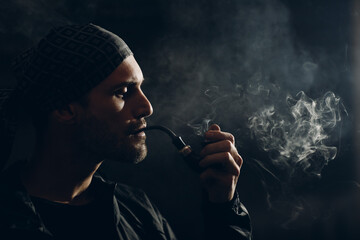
(144, 107)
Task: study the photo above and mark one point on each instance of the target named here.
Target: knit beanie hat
(65, 65)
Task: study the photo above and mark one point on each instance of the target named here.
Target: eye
(121, 92)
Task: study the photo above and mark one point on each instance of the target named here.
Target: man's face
(115, 109)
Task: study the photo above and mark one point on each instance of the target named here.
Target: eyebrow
(127, 84)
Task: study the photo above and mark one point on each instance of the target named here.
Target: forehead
(127, 72)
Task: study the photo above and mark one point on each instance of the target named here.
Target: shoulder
(16, 208)
(11, 186)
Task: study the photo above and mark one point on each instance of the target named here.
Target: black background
(187, 47)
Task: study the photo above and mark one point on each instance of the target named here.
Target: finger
(213, 136)
(214, 127)
(216, 147)
(220, 147)
(238, 159)
(224, 159)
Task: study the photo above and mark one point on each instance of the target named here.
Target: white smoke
(297, 138)
(200, 128)
(214, 99)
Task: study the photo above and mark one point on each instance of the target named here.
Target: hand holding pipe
(190, 157)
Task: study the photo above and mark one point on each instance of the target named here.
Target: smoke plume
(296, 138)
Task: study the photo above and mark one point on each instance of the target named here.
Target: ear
(67, 114)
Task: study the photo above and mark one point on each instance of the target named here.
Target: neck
(59, 172)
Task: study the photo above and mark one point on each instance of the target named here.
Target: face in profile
(115, 109)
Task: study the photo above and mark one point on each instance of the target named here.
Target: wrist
(233, 206)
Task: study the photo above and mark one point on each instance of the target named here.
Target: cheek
(109, 108)
(114, 111)
(119, 113)
(117, 104)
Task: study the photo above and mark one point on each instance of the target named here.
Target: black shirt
(91, 221)
(119, 212)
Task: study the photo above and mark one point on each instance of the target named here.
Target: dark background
(223, 61)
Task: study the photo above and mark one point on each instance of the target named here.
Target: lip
(139, 131)
(140, 134)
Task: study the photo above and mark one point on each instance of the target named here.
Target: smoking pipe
(190, 157)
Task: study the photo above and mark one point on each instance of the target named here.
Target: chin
(140, 154)
(130, 153)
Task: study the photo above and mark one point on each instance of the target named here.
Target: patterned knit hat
(66, 64)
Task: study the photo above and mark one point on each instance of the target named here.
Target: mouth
(139, 131)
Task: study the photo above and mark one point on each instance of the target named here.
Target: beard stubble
(101, 141)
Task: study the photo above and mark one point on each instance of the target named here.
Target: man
(81, 85)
